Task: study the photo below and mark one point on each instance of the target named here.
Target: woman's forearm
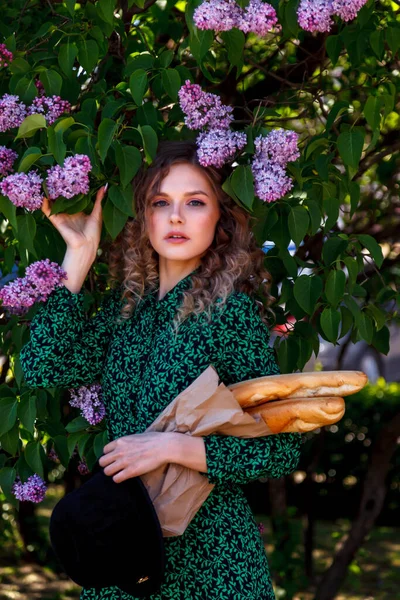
(189, 451)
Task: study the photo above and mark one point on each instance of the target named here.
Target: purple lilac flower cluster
(23, 189)
(7, 158)
(5, 56)
(71, 179)
(90, 400)
(216, 144)
(316, 15)
(40, 87)
(12, 112)
(221, 15)
(82, 467)
(272, 154)
(33, 490)
(52, 455)
(41, 278)
(51, 108)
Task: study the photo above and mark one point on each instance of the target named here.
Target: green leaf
(32, 453)
(114, 219)
(150, 142)
(19, 65)
(334, 47)
(88, 55)
(332, 248)
(10, 440)
(288, 354)
(165, 58)
(372, 111)
(27, 411)
(138, 83)
(107, 129)
(52, 82)
(330, 322)
(307, 290)
(376, 41)
(365, 327)
(64, 124)
(105, 10)
(350, 145)
(352, 306)
(143, 61)
(100, 441)
(56, 145)
(82, 444)
(334, 287)
(381, 340)
(70, 4)
(7, 478)
(298, 223)
(73, 439)
(352, 268)
(314, 215)
(122, 199)
(171, 81)
(61, 447)
(26, 90)
(9, 210)
(392, 35)
(30, 156)
(354, 189)
(234, 41)
(66, 57)
(374, 248)
(30, 125)
(26, 225)
(335, 111)
(77, 424)
(378, 315)
(129, 161)
(8, 414)
(243, 184)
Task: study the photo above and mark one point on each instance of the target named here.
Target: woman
(187, 269)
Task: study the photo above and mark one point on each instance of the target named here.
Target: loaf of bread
(299, 414)
(254, 392)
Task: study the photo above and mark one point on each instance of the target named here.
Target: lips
(175, 235)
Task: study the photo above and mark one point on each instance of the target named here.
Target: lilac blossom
(203, 109)
(270, 180)
(217, 146)
(52, 455)
(51, 107)
(90, 401)
(347, 9)
(5, 56)
(7, 158)
(70, 179)
(41, 278)
(82, 467)
(12, 112)
(219, 15)
(259, 17)
(33, 490)
(40, 87)
(23, 189)
(279, 146)
(315, 15)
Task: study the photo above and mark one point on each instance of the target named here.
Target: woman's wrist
(188, 451)
(77, 264)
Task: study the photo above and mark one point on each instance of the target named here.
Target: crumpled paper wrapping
(203, 408)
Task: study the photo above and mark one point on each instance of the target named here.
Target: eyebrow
(193, 193)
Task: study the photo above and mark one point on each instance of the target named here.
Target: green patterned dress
(142, 367)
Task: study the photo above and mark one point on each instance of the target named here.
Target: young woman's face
(186, 204)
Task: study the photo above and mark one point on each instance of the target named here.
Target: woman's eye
(157, 203)
(199, 202)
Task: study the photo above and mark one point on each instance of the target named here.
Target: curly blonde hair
(233, 262)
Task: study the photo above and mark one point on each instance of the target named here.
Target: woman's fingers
(97, 208)
(46, 207)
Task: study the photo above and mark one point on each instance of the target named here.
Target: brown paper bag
(203, 408)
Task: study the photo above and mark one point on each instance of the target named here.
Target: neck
(170, 273)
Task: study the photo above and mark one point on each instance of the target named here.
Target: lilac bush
(23, 189)
(218, 146)
(258, 17)
(7, 158)
(5, 56)
(90, 401)
(12, 112)
(51, 107)
(33, 490)
(70, 179)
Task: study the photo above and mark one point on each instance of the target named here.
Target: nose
(176, 215)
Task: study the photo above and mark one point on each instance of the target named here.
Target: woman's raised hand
(79, 231)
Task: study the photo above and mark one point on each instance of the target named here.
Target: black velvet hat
(108, 534)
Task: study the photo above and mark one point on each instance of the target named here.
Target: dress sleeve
(242, 351)
(67, 349)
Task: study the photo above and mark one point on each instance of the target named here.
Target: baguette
(298, 385)
(300, 414)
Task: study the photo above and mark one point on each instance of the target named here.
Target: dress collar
(172, 299)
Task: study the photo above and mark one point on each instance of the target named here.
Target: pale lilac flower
(347, 9)
(270, 180)
(261, 527)
(219, 15)
(218, 146)
(23, 189)
(33, 490)
(259, 17)
(51, 107)
(40, 280)
(40, 87)
(52, 455)
(279, 146)
(12, 112)
(83, 468)
(315, 15)
(70, 179)
(90, 400)
(5, 56)
(7, 158)
(203, 109)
